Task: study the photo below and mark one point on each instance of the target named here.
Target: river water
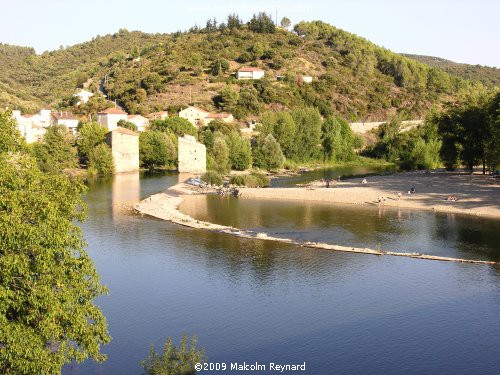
(258, 301)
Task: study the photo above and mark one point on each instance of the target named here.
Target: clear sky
(460, 30)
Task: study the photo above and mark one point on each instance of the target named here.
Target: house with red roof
(194, 115)
(250, 73)
(67, 119)
(109, 118)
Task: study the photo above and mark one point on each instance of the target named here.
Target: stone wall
(192, 155)
(124, 145)
(364, 127)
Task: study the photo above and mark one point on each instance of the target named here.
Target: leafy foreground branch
(48, 282)
(173, 360)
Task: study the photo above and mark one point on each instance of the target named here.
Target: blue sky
(459, 30)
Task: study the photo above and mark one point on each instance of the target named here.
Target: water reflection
(126, 191)
(252, 300)
(389, 228)
(332, 173)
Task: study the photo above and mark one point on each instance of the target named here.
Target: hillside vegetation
(143, 72)
(489, 76)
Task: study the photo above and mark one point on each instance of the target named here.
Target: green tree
(56, 153)
(101, 160)
(240, 152)
(272, 153)
(308, 133)
(261, 23)
(176, 125)
(258, 50)
(220, 154)
(10, 138)
(156, 149)
(219, 67)
(90, 135)
(285, 22)
(282, 126)
(228, 98)
(338, 140)
(127, 125)
(233, 22)
(48, 283)
(425, 155)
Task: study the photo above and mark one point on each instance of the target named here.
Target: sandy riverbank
(477, 195)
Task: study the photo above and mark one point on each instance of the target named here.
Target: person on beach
(364, 181)
(412, 190)
(399, 195)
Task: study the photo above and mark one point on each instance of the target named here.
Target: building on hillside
(29, 126)
(83, 96)
(44, 118)
(109, 118)
(248, 129)
(162, 115)
(194, 115)
(124, 145)
(223, 116)
(307, 79)
(140, 121)
(192, 155)
(249, 73)
(67, 119)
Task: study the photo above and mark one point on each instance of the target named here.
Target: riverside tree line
(465, 134)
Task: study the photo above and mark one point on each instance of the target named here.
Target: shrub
(262, 179)
(101, 160)
(173, 360)
(238, 180)
(212, 178)
(156, 149)
(127, 125)
(250, 180)
(90, 135)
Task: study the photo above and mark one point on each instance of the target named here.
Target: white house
(194, 115)
(140, 121)
(83, 96)
(250, 73)
(223, 116)
(28, 126)
(43, 118)
(307, 79)
(109, 118)
(67, 119)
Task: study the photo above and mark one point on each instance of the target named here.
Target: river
(258, 301)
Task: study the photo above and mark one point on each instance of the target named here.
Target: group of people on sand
(451, 198)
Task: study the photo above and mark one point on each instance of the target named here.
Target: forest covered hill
(144, 72)
(489, 76)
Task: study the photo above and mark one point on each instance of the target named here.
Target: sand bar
(166, 206)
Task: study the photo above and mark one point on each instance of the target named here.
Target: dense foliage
(489, 76)
(57, 151)
(47, 281)
(101, 160)
(352, 77)
(470, 132)
(173, 360)
(156, 149)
